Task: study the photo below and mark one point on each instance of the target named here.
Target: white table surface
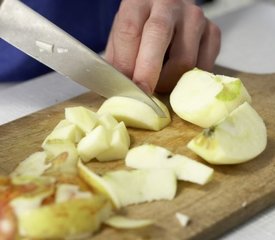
(248, 45)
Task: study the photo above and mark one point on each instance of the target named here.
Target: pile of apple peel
(55, 187)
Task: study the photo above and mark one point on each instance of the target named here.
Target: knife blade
(33, 34)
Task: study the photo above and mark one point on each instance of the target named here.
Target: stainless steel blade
(36, 36)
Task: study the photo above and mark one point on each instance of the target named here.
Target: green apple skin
(73, 218)
(135, 113)
(204, 99)
(238, 138)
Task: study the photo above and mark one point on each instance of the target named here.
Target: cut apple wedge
(154, 157)
(70, 219)
(139, 186)
(119, 144)
(204, 99)
(238, 138)
(97, 183)
(94, 143)
(65, 130)
(82, 117)
(135, 113)
(122, 222)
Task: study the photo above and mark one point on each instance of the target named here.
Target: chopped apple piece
(107, 121)
(67, 219)
(62, 154)
(205, 99)
(139, 186)
(97, 183)
(84, 118)
(135, 113)
(94, 143)
(154, 157)
(65, 130)
(122, 222)
(238, 138)
(34, 165)
(183, 219)
(119, 144)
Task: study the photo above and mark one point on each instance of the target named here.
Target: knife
(41, 39)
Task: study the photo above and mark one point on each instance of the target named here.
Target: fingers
(156, 37)
(126, 35)
(209, 47)
(196, 44)
(184, 51)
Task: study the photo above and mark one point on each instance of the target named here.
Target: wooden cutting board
(235, 194)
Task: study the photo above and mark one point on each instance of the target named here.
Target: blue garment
(89, 21)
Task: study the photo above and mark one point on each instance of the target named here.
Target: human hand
(154, 42)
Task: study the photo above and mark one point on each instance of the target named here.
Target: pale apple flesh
(204, 99)
(122, 222)
(238, 138)
(149, 156)
(135, 113)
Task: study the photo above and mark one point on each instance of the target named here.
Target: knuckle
(159, 25)
(215, 31)
(127, 28)
(197, 13)
(186, 63)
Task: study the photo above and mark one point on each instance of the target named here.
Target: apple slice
(238, 138)
(139, 186)
(119, 144)
(122, 222)
(74, 218)
(65, 130)
(154, 157)
(84, 118)
(97, 183)
(94, 143)
(34, 165)
(107, 121)
(135, 113)
(205, 99)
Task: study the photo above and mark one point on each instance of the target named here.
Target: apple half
(204, 99)
(149, 156)
(240, 137)
(135, 113)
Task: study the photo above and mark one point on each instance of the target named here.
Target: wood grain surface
(236, 193)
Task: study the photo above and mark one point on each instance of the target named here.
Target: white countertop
(248, 45)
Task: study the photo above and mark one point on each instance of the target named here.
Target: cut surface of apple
(154, 157)
(204, 99)
(122, 222)
(98, 184)
(82, 117)
(94, 143)
(238, 138)
(65, 130)
(139, 186)
(67, 219)
(119, 144)
(135, 113)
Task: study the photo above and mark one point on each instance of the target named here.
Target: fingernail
(145, 87)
